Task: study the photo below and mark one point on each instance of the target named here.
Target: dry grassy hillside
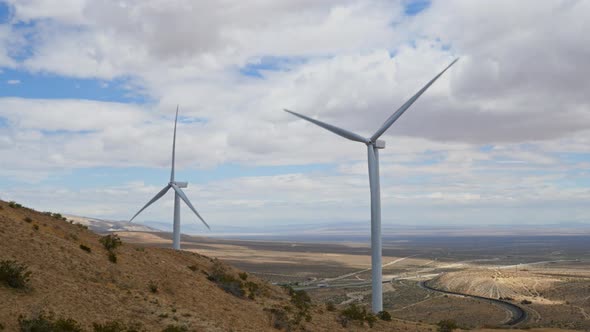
(153, 287)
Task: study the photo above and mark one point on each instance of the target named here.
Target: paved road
(518, 314)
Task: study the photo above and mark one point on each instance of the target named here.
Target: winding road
(518, 314)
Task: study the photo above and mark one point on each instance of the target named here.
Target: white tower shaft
(176, 226)
(376, 250)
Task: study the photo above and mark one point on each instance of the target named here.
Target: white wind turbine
(373, 145)
(178, 194)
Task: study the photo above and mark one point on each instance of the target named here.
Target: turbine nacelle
(379, 144)
(180, 184)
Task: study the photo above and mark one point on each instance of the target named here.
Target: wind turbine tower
(178, 195)
(374, 144)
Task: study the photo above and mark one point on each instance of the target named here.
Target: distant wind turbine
(178, 194)
(373, 146)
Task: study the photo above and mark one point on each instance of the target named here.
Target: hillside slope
(152, 286)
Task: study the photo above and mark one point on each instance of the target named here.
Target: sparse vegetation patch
(13, 274)
(81, 226)
(278, 319)
(85, 248)
(384, 315)
(112, 257)
(14, 205)
(226, 281)
(110, 242)
(174, 328)
(447, 325)
(153, 286)
(330, 306)
(43, 323)
(302, 302)
(356, 314)
(116, 326)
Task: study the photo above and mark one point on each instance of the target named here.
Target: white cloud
(514, 103)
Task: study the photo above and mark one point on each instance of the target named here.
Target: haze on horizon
(89, 89)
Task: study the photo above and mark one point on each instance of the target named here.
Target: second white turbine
(178, 195)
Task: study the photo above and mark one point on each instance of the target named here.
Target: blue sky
(87, 95)
(23, 84)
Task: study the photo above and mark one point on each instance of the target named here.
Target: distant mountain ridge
(106, 226)
(331, 231)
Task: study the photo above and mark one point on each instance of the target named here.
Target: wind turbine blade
(338, 131)
(407, 105)
(185, 199)
(158, 195)
(174, 146)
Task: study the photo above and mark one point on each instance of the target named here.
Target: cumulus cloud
(511, 108)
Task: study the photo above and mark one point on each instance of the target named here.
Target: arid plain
(547, 277)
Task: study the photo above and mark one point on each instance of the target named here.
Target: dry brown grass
(86, 287)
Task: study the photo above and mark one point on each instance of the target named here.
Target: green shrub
(279, 319)
(243, 275)
(253, 289)
(358, 314)
(225, 281)
(110, 242)
(302, 302)
(330, 306)
(193, 267)
(40, 323)
(153, 286)
(174, 328)
(82, 226)
(116, 326)
(57, 215)
(14, 205)
(112, 257)
(525, 302)
(447, 325)
(28, 219)
(13, 274)
(384, 315)
(36, 227)
(44, 323)
(85, 248)
(233, 287)
(67, 325)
